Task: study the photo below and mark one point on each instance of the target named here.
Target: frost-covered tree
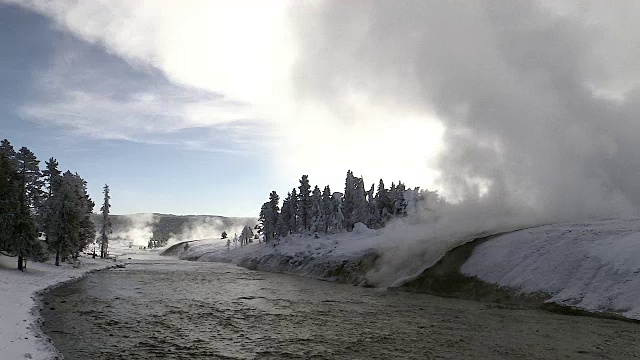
(293, 206)
(51, 175)
(304, 203)
(383, 203)
(284, 220)
(399, 202)
(9, 195)
(347, 202)
(245, 235)
(338, 217)
(106, 223)
(360, 209)
(317, 215)
(25, 242)
(70, 228)
(269, 216)
(328, 209)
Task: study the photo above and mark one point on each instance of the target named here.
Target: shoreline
(20, 325)
(444, 279)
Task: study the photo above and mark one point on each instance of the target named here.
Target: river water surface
(192, 310)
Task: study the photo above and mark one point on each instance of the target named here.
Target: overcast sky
(204, 107)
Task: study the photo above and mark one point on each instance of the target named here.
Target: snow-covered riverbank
(340, 257)
(19, 336)
(591, 265)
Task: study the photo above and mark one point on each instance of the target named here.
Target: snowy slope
(299, 254)
(593, 265)
(18, 337)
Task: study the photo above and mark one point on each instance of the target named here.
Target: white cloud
(501, 96)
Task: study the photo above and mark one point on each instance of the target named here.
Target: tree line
(306, 210)
(42, 212)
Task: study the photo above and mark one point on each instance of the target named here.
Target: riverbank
(588, 267)
(20, 337)
(343, 258)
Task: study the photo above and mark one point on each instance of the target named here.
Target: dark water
(188, 310)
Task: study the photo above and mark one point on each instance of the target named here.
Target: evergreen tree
(224, 235)
(245, 235)
(25, 240)
(317, 214)
(293, 207)
(328, 209)
(360, 209)
(371, 207)
(70, 229)
(51, 179)
(269, 216)
(304, 203)
(399, 202)
(106, 223)
(348, 201)
(9, 197)
(284, 221)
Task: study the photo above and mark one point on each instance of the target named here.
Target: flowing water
(192, 310)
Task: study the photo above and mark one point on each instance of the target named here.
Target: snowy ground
(18, 337)
(304, 254)
(593, 265)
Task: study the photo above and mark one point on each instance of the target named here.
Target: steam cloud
(210, 228)
(539, 102)
(136, 230)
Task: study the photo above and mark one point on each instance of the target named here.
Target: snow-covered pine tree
(52, 180)
(70, 229)
(339, 216)
(284, 220)
(317, 215)
(223, 235)
(105, 230)
(87, 233)
(399, 202)
(328, 211)
(360, 209)
(293, 206)
(268, 218)
(371, 207)
(25, 241)
(348, 202)
(245, 235)
(383, 204)
(9, 196)
(304, 203)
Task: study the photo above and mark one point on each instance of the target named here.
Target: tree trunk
(20, 262)
(57, 257)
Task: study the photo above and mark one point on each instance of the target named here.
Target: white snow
(593, 265)
(19, 338)
(324, 251)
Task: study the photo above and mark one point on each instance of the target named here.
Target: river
(194, 310)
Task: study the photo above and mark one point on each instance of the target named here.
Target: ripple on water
(179, 310)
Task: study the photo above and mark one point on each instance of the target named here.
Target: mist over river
(175, 309)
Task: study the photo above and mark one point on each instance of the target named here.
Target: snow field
(592, 265)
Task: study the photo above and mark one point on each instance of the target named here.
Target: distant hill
(138, 229)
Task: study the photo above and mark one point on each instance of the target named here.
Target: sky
(204, 107)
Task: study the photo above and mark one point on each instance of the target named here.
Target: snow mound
(593, 265)
(362, 229)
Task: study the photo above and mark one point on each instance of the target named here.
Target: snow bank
(19, 336)
(593, 265)
(335, 257)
